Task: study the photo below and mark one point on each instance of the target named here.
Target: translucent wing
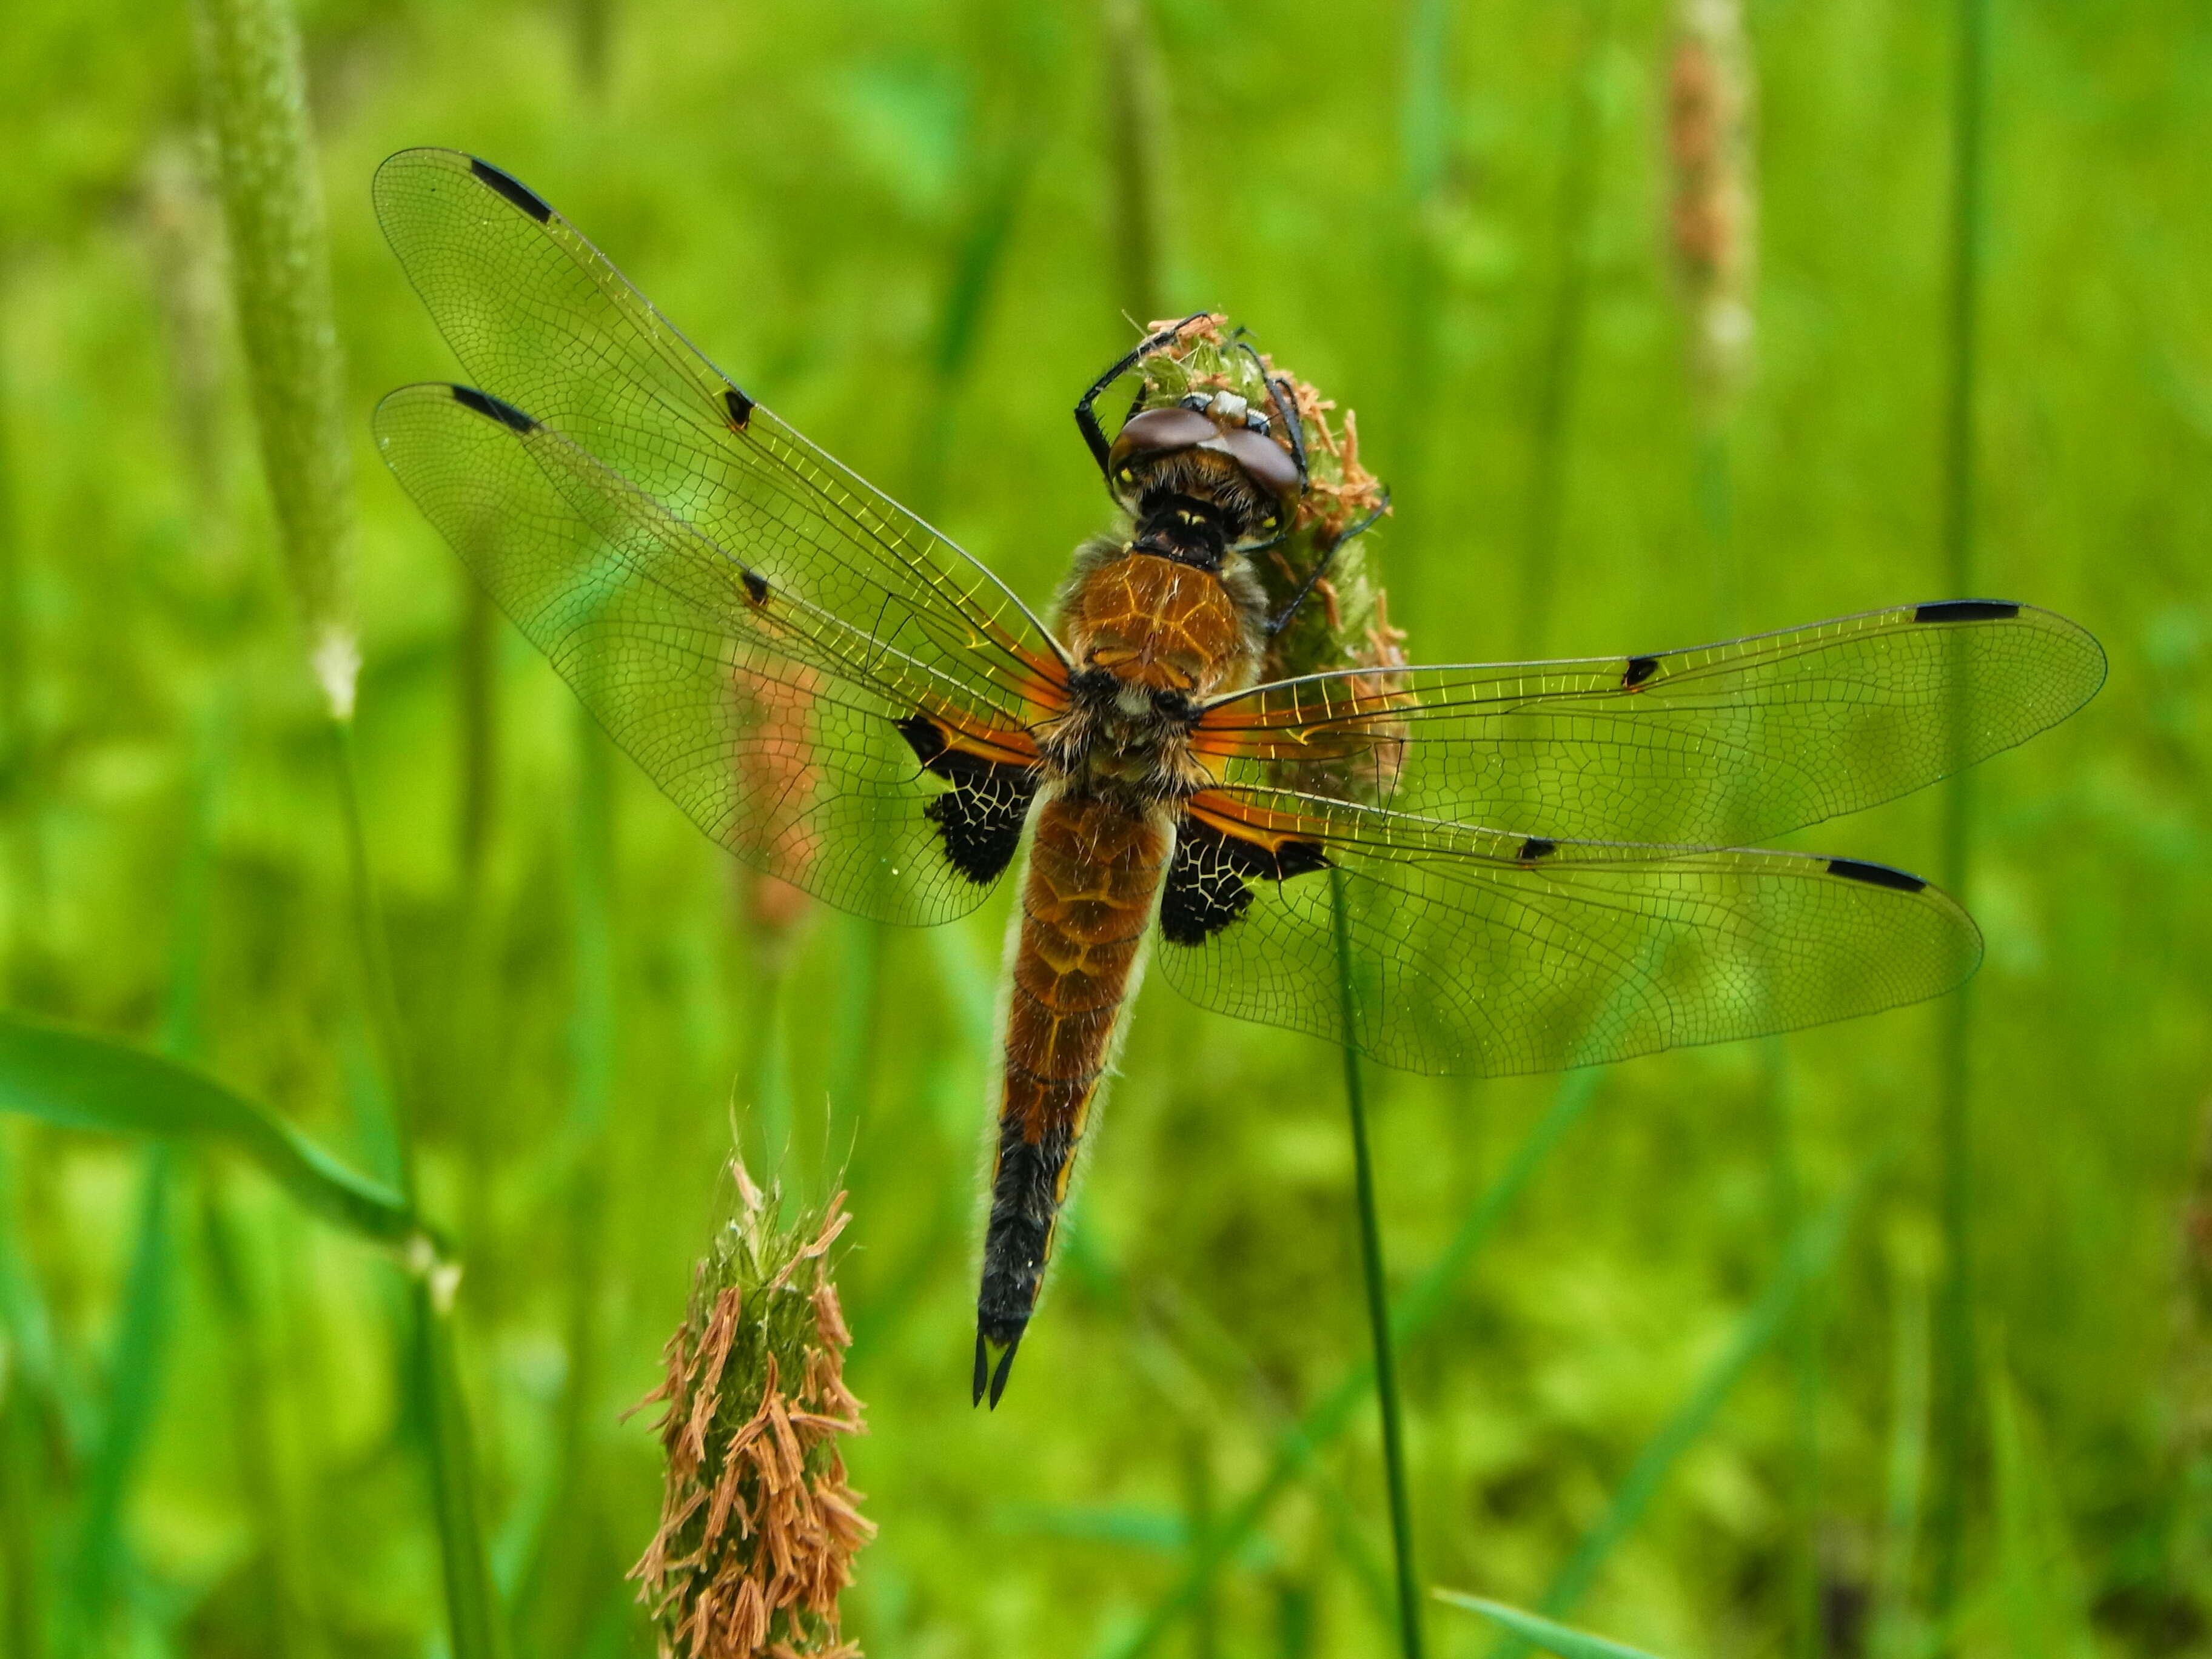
(1717, 745)
(822, 681)
(781, 729)
(543, 320)
(1468, 952)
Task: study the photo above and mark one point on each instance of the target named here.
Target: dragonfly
(1474, 869)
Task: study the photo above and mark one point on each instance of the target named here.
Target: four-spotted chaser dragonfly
(1483, 869)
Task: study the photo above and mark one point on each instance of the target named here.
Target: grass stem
(1378, 1302)
(1956, 1392)
(1559, 366)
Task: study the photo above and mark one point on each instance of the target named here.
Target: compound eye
(1156, 431)
(1267, 462)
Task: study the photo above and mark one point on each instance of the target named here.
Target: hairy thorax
(1152, 640)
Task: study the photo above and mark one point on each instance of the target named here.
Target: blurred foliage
(895, 223)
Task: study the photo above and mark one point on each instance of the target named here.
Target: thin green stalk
(473, 1612)
(1955, 1387)
(978, 254)
(1896, 1629)
(1808, 1259)
(1198, 1512)
(1416, 1310)
(1559, 367)
(1135, 128)
(475, 691)
(595, 30)
(254, 1422)
(23, 919)
(592, 1038)
(1378, 1301)
(22, 1548)
(1425, 128)
(135, 1366)
(133, 1396)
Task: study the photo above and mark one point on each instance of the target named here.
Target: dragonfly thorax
(1151, 639)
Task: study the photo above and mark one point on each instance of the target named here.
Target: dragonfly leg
(1282, 618)
(1086, 417)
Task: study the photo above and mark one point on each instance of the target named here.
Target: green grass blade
(133, 1396)
(1541, 1632)
(81, 1081)
(1955, 1386)
(23, 1543)
(472, 1611)
(1806, 1260)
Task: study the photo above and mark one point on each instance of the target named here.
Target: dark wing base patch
(1209, 882)
(980, 818)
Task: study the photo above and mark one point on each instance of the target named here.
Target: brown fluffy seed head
(1345, 621)
(758, 1526)
(1712, 215)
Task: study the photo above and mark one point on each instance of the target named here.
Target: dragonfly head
(1203, 477)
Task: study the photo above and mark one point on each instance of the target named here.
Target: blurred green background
(909, 229)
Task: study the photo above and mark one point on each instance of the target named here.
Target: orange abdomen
(1096, 862)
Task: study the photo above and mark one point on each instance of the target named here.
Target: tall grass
(254, 93)
(1375, 1277)
(1956, 1383)
(1559, 363)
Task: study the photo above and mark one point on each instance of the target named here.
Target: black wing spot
(980, 817)
(1209, 882)
(1536, 847)
(1639, 670)
(740, 407)
(507, 185)
(497, 408)
(1965, 610)
(1876, 875)
(755, 586)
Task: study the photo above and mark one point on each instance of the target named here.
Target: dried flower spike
(1713, 217)
(758, 1528)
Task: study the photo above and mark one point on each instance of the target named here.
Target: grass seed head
(1345, 622)
(758, 1526)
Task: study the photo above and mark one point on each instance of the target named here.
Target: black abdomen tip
(497, 408)
(507, 185)
(1949, 611)
(1876, 875)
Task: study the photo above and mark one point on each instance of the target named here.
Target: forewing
(1716, 745)
(543, 321)
(1440, 949)
(771, 720)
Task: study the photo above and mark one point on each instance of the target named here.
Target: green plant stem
(471, 1603)
(1424, 129)
(1559, 366)
(254, 1422)
(1955, 1387)
(133, 1396)
(1378, 1301)
(1297, 1446)
(1135, 129)
(1895, 1628)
